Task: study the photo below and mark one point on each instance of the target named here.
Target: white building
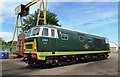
(113, 47)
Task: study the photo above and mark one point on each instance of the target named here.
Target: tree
(2, 41)
(10, 42)
(31, 20)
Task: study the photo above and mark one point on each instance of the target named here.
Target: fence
(7, 48)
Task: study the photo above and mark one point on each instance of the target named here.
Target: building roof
(112, 44)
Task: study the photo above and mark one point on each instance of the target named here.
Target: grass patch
(116, 52)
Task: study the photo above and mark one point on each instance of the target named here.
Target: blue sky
(100, 18)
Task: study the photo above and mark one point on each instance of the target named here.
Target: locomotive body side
(46, 43)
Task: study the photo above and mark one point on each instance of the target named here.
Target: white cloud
(7, 36)
(1, 5)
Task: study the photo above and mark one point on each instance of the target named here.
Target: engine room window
(89, 39)
(35, 31)
(64, 36)
(52, 32)
(45, 32)
(81, 38)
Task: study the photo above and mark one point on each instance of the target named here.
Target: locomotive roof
(61, 28)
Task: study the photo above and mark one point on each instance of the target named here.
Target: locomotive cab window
(35, 31)
(52, 32)
(45, 32)
(64, 36)
(90, 40)
(106, 41)
(81, 38)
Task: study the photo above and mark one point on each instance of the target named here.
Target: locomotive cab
(40, 39)
(37, 36)
(106, 44)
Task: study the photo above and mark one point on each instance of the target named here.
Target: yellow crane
(23, 10)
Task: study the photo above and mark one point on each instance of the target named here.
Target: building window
(64, 36)
(81, 38)
(89, 39)
(45, 32)
(52, 32)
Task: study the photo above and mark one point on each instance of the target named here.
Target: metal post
(38, 14)
(21, 23)
(14, 32)
(42, 7)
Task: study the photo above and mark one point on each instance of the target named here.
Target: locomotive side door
(53, 40)
(97, 44)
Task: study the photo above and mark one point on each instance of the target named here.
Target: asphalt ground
(104, 67)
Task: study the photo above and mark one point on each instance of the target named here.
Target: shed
(113, 47)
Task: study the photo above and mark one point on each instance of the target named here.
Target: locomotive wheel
(101, 56)
(42, 64)
(85, 58)
(106, 55)
(32, 64)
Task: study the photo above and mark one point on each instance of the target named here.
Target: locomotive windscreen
(28, 33)
(33, 32)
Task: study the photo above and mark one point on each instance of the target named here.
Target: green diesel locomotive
(55, 45)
